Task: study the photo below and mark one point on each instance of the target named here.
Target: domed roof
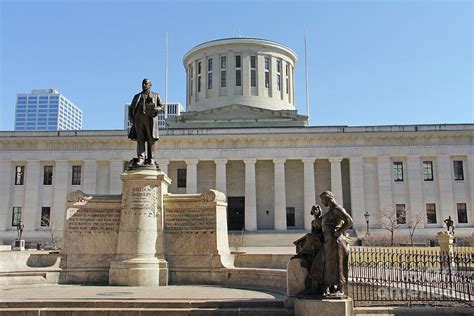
(241, 41)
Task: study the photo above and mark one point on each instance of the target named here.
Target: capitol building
(241, 135)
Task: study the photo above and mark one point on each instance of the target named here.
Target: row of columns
(414, 184)
(279, 185)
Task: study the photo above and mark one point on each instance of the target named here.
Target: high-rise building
(173, 109)
(46, 109)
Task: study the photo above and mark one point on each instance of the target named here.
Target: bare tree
(390, 222)
(415, 222)
(51, 228)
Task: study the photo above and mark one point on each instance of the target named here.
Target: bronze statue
(308, 249)
(143, 114)
(325, 251)
(19, 229)
(335, 222)
(449, 224)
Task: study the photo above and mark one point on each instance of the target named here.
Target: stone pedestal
(324, 307)
(140, 248)
(19, 245)
(445, 241)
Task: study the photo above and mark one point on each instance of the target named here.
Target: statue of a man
(335, 244)
(19, 229)
(449, 224)
(143, 114)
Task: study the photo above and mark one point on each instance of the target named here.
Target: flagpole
(166, 79)
(306, 71)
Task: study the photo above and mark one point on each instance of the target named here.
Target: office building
(45, 110)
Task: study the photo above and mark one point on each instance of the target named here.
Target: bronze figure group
(325, 251)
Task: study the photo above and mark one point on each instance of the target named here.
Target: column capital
(191, 161)
(308, 160)
(250, 160)
(220, 161)
(335, 159)
(162, 161)
(279, 160)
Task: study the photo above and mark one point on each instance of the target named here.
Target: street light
(367, 215)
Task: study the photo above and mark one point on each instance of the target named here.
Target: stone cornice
(192, 139)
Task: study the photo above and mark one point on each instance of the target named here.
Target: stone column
(384, 169)
(470, 185)
(356, 174)
(415, 187)
(140, 247)
(309, 191)
(221, 183)
(31, 209)
(61, 169)
(163, 164)
(191, 176)
(7, 184)
(280, 194)
(90, 176)
(250, 195)
(116, 169)
(336, 178)
(445, 183)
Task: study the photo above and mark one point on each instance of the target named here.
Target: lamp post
(367, 215)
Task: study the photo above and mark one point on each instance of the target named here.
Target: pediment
(238, 112)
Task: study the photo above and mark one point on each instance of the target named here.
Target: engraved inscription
(190, 219)
(94, 220)
(144, 201)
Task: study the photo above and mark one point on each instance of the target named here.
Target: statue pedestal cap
(140, 249)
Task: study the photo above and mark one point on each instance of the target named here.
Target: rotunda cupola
(248, 71)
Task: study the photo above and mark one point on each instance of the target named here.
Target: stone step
(137, 304)
(262, 311)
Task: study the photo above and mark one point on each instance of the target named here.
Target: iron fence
(378, 274)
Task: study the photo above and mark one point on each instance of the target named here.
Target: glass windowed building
(46, 109)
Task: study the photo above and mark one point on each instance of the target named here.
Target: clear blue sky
(370, 62)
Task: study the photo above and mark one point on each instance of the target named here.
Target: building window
(431, 213)
(253, 71)
(16, 216)
(267, 72)
(76, 175)
(209, 73)
(401, 213)
(199, 76)
(181, 178)
(398, 171)
(209, 80)
(287, 76)
(48, 175)
(462, 213)
(223, 71)
(279, 75)
(290, 217)
(45, 216)
(238, 61)
(19, 175)
(428, 170)
(458, 170)
(238, 71)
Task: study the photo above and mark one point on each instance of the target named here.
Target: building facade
(46, 109)
(254, 147)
